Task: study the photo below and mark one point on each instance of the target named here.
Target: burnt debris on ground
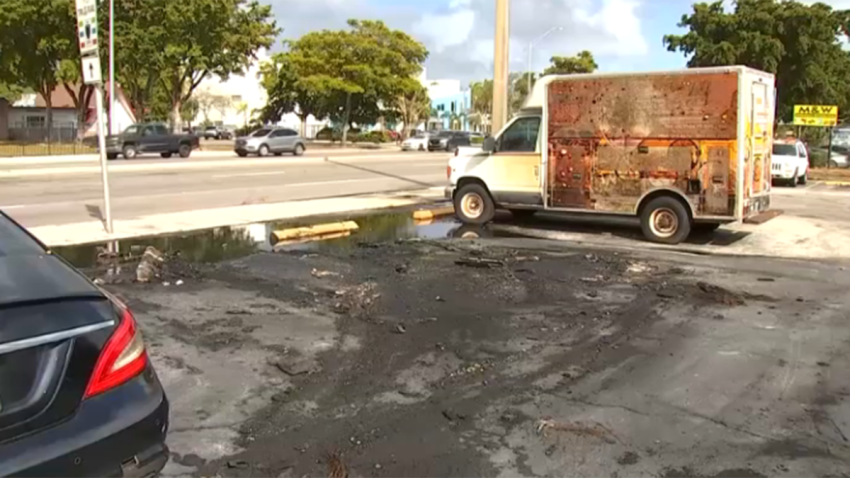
(444, 358)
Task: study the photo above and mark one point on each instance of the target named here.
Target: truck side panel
(612, 140)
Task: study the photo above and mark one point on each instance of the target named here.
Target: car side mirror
(489, 145)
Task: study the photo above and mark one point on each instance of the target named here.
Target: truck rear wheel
(473, 205)
(184, 150)
(665, 220)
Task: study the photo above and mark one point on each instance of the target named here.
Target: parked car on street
(217, 132)
(790, 163)
(270, 140)
(838, 158)
(448, 140)
(144, 138)
(78, 394)
(417, 142)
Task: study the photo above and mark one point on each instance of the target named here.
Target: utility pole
(500, 65)
(112, 67)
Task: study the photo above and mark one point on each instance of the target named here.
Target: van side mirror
(489, 145)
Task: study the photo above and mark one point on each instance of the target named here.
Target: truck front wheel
(473, 205)
(184, 150)
(665, 220)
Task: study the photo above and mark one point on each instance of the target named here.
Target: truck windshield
(784, 150)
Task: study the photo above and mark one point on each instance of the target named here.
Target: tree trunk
(304, 126)
(175, 116)
(345, 119)
(48, 102)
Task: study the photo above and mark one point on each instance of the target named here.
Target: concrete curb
(295, 233)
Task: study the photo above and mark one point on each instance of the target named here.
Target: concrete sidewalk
(93, 231)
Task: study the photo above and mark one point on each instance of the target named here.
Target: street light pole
(500, 65)
(111, 66)
(531, 46)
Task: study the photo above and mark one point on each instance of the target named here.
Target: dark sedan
(78, 394)
(448, 140)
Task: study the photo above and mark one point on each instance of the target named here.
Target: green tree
(570, 65)
(286, 94)
(482, 102)
(799, 43)
(413, 107)
(211, 37)
(355, 75)
(189, 111)
(139, 53)
(10, 93)
(35, 37)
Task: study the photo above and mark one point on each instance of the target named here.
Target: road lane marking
(422, 179)
(240, 175)
(196, 165)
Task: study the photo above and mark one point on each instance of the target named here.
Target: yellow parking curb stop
(317, 230)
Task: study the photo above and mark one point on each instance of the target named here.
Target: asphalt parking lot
(513, 356)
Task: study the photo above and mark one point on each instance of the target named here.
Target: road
(63, 193)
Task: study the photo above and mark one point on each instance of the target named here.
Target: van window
(521, 136)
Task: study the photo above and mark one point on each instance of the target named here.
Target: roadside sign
(87, 26)
(91, 70)
(816, 115)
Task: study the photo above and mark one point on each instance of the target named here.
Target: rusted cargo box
(614, 140)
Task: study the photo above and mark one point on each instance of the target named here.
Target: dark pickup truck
(150, 138)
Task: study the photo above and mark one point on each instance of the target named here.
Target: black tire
(241, 154)
(665, 220)
(278, 154)
(833, 164)
(165, 155)
(184, 150)
(421, 148)
(522, 214)
(473, 205)
(804, 178)
(263, 151)
(111, 156)
(299, 150)
(129, 151)
(793, 182)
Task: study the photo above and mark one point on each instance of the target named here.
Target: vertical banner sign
(87, 26)
(87, 38)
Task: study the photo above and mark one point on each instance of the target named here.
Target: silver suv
(270, 140)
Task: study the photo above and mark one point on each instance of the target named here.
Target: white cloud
(459, 33)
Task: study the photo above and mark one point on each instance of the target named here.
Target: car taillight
(448, 172)
(122, 358)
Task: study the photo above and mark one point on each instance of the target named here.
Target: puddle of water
(224, 243)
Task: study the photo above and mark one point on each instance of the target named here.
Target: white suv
(790, 163)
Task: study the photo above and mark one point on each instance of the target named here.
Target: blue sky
(623, 35)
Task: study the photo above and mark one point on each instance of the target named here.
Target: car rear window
(785, 149)
(14, 241)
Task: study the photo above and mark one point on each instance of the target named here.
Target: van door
(759, 174)
(514, 172)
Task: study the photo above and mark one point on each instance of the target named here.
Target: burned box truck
(682, 150)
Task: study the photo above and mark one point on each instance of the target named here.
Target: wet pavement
(398, 352)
